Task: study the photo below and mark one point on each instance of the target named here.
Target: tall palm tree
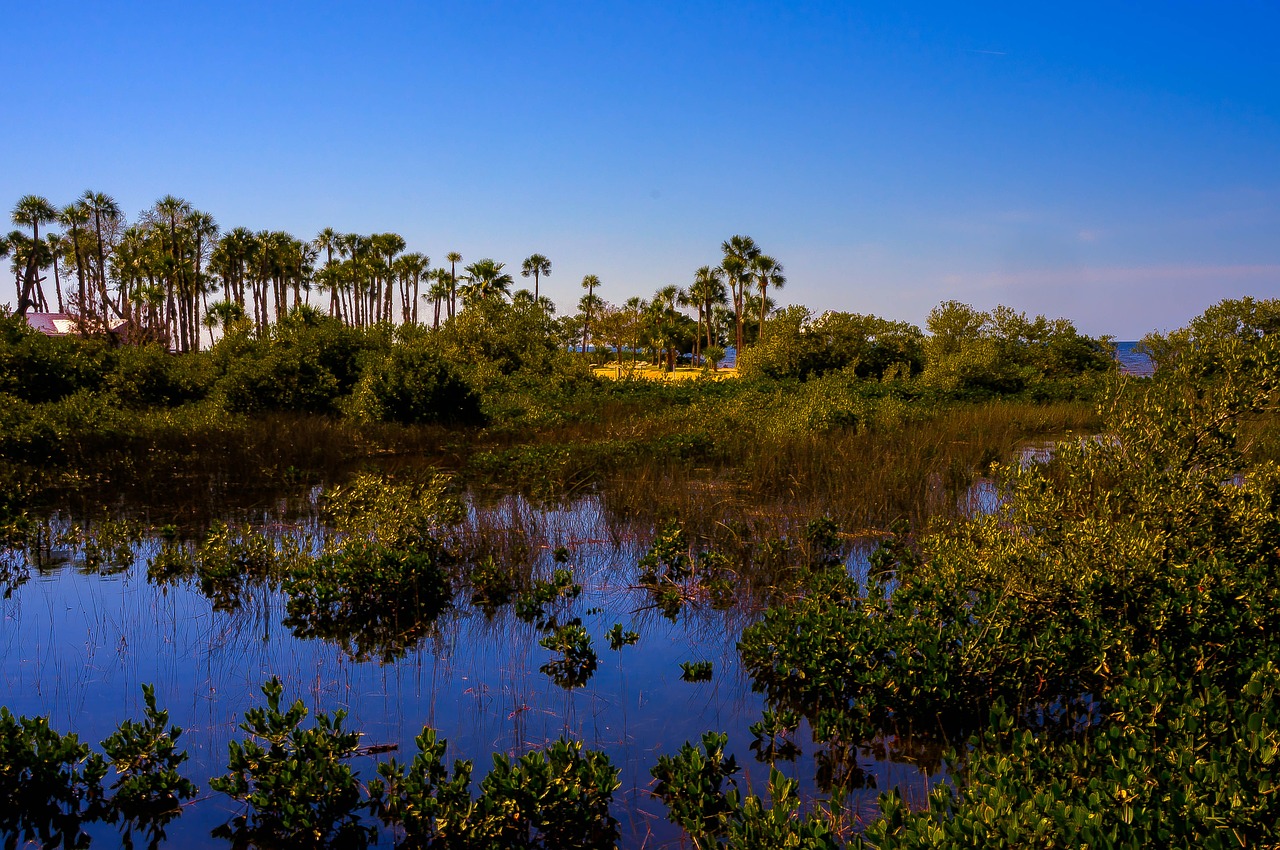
(768, 272)
(32, 211)
(664, 316)
(203, 233)
(739, 252)
(485, 280)
(589, 283)
(386, 246)
(410, 269)
(169, 214)
(354, 247)
(73, 217)
(536, 265)
(454, 258)
(709, 291)
(58, 244)
(327, 240)
(438, 292)
(106, 213)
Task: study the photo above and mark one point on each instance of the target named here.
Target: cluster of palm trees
(153, 279)
(725, 298)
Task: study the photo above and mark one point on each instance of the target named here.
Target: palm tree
(708, 291)
(663, 314)
(327, 240)
(386, 246)
(410, 269)
(635, 308)
(454, 258)
(203, 233)
(354, 246)
(441, 287)
(768, 271)
(589, 283)
(536, 265)
(72, 216)
(105, 211)
(5, 247)
(485, 280)
(222, 314)
(57, 243)
(32, 211)
(739, 253)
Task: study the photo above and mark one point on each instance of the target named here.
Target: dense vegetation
(1094, 660)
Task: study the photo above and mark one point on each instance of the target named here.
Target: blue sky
(1116, 166)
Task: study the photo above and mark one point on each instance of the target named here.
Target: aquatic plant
(700, 788)
(492, 586)
(296, 784)
(50, 784)
(773, 733)
(398, 514)
(696, 671)
(619, 638)
(149, 788)
(233, 558)
(374, 600)
(533, 606)
(576, 661)
(107, 546)
(553, 798)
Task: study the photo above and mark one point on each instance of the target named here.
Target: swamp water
(77, 643)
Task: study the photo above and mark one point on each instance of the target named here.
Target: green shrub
(149, 789)
(50, 784)
(296, 785)
(700, 789)
(37, 368)
(149, 376)
(554, 798)
(412, 386)
(576, 661)
(374, 600)
(306, 364)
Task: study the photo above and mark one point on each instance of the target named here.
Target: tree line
(173, 273)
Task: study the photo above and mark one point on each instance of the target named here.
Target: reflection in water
(393, 653)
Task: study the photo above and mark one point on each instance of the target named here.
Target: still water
(77, 645)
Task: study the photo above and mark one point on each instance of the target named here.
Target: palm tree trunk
(57, 282)
(764, 301)
(75, 240)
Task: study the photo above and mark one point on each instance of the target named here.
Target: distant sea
(1132, 361)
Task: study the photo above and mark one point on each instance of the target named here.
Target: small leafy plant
(296, 784)
(577, 659)
(554, 798)
(619, 638)
(50, 784)
(695, 671)
(149, 789)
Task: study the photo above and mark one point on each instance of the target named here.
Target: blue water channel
(77, 646)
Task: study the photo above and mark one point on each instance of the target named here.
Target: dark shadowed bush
(149, 376)
(37, 368)
(411, 384)
(307, 363)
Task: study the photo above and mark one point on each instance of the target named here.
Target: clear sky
(1118, 164)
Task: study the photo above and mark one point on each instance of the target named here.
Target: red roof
(53, 324)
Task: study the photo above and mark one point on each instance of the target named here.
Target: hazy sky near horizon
(1118, 166)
